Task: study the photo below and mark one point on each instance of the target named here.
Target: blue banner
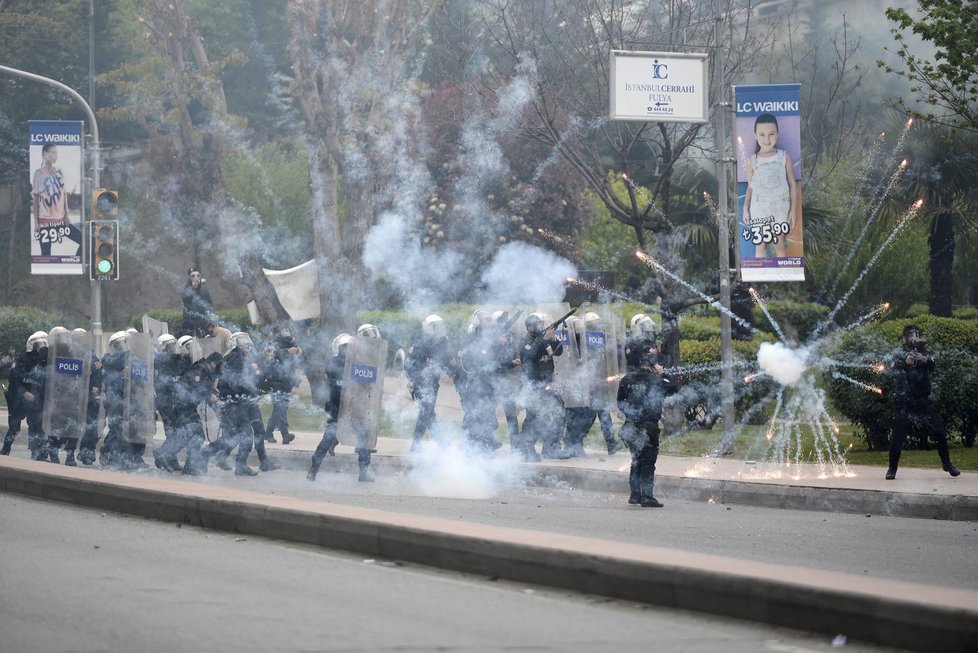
(769, 187)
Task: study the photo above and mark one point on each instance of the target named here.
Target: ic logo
(659, 70)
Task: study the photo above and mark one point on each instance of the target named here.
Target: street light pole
(96, 297)
(723, 242)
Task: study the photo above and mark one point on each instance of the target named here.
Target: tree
(355, 88)
(176, 95)
(561, 48)
(942, 169)
(947, 86)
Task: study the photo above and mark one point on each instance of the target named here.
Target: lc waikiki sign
(658, 86)
(769, 186)
(56, 196)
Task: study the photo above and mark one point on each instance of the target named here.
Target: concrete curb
(953, 507)
(891, 613)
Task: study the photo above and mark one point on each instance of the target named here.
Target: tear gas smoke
(784, 364)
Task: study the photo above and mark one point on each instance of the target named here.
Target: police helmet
(37, 340)
(119, 341)
(642, 324)
(240, 339)
(590, 317)
(533, 322)
(341, 340)
(368, 331)
(433, 327)
(79, 331)
(166, 342)
(184, 344)
(132, 330)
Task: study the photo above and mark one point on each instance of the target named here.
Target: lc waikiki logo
(659, 70)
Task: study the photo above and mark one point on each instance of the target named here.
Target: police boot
(416, 445)
(70, 459)
(363, 460)
(8, 440)
(267, 465)
(614, 446)
(313, 469)
(243, 470)
(287, 438)
(951, 469)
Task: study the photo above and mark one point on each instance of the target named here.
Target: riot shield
(154, 328)
(139, 411)
(66, 384)
(602, 345)
(204, 347)
(570, 368)
(362, 393)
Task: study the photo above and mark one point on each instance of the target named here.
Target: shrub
(797, 320)
(235, 319)
(955, 345)
(703, 386)
(17, 323)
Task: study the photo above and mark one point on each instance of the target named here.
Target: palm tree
(942, 168)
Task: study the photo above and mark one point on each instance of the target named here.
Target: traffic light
(105, 203)
(103, 264)
(104, 261)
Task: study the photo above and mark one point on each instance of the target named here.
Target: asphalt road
(74, 579)
(917, 550)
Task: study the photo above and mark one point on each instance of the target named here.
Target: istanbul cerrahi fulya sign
(659, 86)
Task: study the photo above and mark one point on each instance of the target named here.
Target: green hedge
(796, 319)
(704, 386)
(955, 346)
(235, 319)
(17, 323)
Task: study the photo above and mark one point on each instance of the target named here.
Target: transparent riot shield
(601, 337)
(570, 368)
(154, 328)
(139, 410)
(362, 393)
(204, 347)
(66, 384)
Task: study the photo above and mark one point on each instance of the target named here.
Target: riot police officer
(544, 419)
(426, 360)
(478, 364)
(114, 365)
(335, 365)
(640, 397)
(89, 442)
(25, 396)
(912, 366)
(169, 364)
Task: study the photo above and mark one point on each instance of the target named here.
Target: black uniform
(912, 405)
(197, 306)
(167, 369)
(241, 419)
(114, 400)
(25, 400)
(195, 386)
(544, 419)
(86, 449)
(281, 375)
(640, 397)
(334, 384)
(480, 361)
(424, 364)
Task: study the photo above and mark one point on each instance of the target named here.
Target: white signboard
(658, 86)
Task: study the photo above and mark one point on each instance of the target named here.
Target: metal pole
(723, 242)
(96, 167)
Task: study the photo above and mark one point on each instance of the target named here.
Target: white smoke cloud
(522, 273)
(783, 364)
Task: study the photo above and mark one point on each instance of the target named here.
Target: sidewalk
(922, 493)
